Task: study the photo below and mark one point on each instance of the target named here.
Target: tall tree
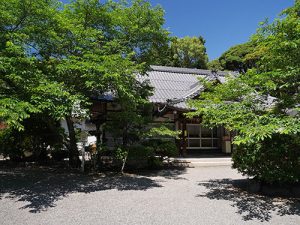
(24, 87)
(215, 65)
(262, 106)
(188, 52)
(238, 58)
(80, 49)
(139, 26)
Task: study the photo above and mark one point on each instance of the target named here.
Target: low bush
(163, 147)
(140, 152)
(147, 154)
(154, 163)
(274, 160)
(139, 156)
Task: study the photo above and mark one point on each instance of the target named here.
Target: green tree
(139, 26)
(27, 86)
(109, 52)
(215, 65)
(240, 57)
(79, 50)
(24, 88)
(189, 52)
(262, 106)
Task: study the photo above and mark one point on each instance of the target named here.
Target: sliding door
(199, 137)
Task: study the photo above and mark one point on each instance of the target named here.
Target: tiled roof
(186, 70)
(173, 86)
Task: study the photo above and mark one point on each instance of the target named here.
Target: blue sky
(223, 23)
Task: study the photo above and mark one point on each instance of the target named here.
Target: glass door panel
(206, 132)
(199, 137)
(194, 143)
(193, 131)
(206, 143)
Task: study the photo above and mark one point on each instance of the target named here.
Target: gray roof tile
(172, 84)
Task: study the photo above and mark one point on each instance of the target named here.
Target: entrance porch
(197, 140)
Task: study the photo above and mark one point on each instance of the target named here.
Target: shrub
(8, 146)
(155, 163)
(163, 147)
(138, 156)
(167, 148)
(140, 152)
(274, 160)
(40, 135)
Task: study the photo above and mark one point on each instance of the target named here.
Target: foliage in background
(188, 52)
(130, 122)
(238, 58)
(262, 104)
(215, 65)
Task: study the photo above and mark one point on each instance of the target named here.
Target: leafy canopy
(189, 52)
(24, 86)
(238, 58)
(54, 56)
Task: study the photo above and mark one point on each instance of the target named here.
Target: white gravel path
(202, 195)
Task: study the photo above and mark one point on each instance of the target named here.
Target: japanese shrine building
(173, 87)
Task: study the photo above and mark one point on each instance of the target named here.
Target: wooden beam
(183, 138)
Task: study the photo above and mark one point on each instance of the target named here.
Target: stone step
(199, 162)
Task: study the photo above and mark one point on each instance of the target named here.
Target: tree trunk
(73, 150)
(123, 163)
(125, 143)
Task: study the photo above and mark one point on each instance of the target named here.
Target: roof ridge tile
(188, 70)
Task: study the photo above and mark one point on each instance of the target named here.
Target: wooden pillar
(184, 141)
(177, 128)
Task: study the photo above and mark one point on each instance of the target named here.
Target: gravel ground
(202, 195)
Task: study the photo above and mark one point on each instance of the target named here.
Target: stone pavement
(201, 195)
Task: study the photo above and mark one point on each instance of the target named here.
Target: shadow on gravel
(250, 206)
(170, 174)
(41, 189)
